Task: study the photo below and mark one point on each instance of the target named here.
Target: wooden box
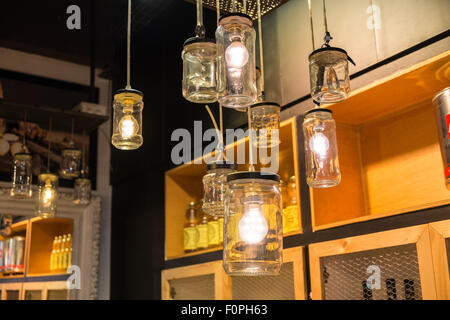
(388, 149)
(440, 246)
(183, 184)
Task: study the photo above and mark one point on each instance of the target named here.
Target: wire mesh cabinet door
(440, 247)
(288, 285)
(205, 281)
(389, 265)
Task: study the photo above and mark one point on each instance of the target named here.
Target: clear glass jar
(22, 174)
(199, 70)
(329, 75)
(321, 150)
(236, 78)
(253, 229)
(70, 163)
(214, 187)
(127, 121)
(265, 117)
(47, 195)
(82, 191)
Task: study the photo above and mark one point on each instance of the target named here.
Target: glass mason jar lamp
(82, 192)
(127, 122)
(236, 79)
(265, 121)
(70, 163)
(253, 230)
(329, 75)
(214, 187)
(321, 151)
(47, 195)
(21, 179)
(199, 70)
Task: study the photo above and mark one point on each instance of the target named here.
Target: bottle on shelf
(202, 227)
(290, 212)
(57, 262)
(61, 253)
(69, 251)
(53, 254)
(220, 227)
(190, 229)
(213, 232)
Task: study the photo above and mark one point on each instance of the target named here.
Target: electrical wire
(128, 45)
(250, 141)
(217, 131)
(261, 56)
(311, 23)
(49, 143)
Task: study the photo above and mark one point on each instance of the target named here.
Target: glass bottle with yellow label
(290, 211)
(190, 229)
(53, 254)
(202, 228)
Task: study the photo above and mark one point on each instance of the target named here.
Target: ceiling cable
(311, 22)
(128, 45)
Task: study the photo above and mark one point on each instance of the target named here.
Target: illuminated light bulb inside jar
(236, 55)
(319, 144)
(48, 193)
(253, 226)
(128, 126)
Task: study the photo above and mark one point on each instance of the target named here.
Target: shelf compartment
(18, 229)
(42, 234)
(440, 247)
(183, 184)
(388, 149)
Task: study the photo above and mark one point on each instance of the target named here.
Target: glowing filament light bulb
(49, 193)
(319, 144)
(253, 226)
(236, 55)
(128, 126)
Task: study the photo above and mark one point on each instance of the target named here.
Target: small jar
(265, 121)
(236, 78)
(214, 187)
(70, 163)
(22, 175)
(329, 75)
(82, 191)
(321, 150)
(47, 195)
(127, 121)
(253, 230)
(199, 70)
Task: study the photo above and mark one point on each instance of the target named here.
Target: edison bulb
(236, 55)
(128, 126)
(48, 193)
(253, 226)
(319, 144)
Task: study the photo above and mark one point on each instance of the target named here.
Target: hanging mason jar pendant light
(214, 187)
(128, 105)
(328, 69)
(22, 174)
(265, 116)
(71, 160)
(253, 228)
(199, 64)
(82, 188)
(47, 187)
(321, 152)
(235, 37)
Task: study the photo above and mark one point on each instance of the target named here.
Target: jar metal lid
(331, 49)
(253, 175)
(236, 14)
(129, 91)
(317, 110)
(264, 103)
(221, 165)
(198, 39)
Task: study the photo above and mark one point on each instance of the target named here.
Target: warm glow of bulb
(236, 55)
(48, 194)
(253, 226)
(128, 127)
(319, 144)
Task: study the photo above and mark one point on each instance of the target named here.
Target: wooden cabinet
(11, 291)
(440, 247)
(397, 264)
(388, 149)
(183, 184)
(208, 281)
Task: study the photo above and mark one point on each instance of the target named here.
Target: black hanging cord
(92, 51)
(328, 36)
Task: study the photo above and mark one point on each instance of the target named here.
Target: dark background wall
(138, 176)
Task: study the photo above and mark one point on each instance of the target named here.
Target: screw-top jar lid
(236, 14)
(317, 110)
(331, 49)
(221, 165)
(198, 39)
(264, 103)
(253, 175)
(129, 91)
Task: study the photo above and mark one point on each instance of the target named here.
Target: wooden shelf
(183, 184)
(388, 149)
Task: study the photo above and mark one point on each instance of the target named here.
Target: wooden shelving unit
(183, 184)
(388, 149)
(440, 247)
